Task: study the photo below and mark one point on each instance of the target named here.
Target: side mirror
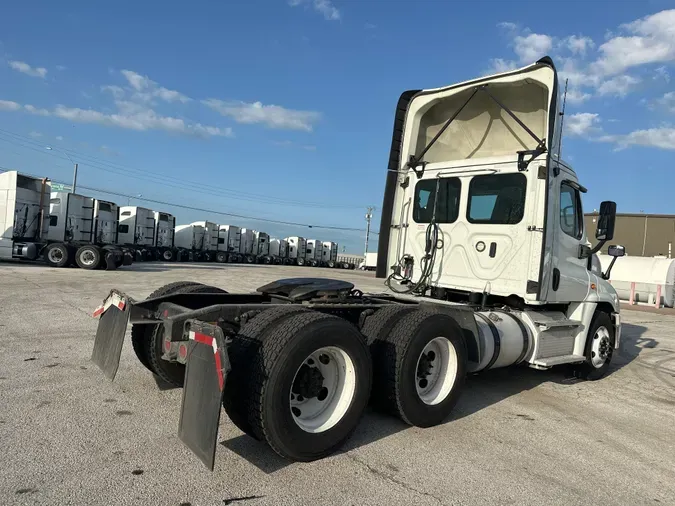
(616, 251)
(606, 221)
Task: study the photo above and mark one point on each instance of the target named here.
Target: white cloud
(323, 7)
(663, 138)
(667, 101)
(61, 67)
(35, 135)
(273, 116)
(575, 96)
(24, 68)
(499, 65)
(582, 123)
(578, 44)
(530, 48)
(116, 91)
(648, 40)
(662, 73)
(619, 85)
(134, 118)
(59, 138)
(507, 25)
(8, 105)
(146, 88)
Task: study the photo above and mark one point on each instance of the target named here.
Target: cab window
(447, 208)
(497, 199)
(570, 211)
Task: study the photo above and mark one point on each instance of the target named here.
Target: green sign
(58, 187)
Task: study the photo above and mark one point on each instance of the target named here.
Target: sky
(283, 109)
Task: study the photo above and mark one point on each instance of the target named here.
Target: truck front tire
(599, 348)
(420, 367)
(300, 381)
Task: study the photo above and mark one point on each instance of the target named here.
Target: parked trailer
(229, 244)
(247, 246)
(297, 249)
(279, 251)
(136, 230)
(83, 232)
(329, 251)
(369, 263)
(189, 241)
(164, 236)
(210, 242)
(294, 363)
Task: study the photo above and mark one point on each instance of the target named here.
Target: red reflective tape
(219, 371)
(99, 310)
(120, 305)
(203, 338)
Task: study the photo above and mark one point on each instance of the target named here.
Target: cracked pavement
(518, 436)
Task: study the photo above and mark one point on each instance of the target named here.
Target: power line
(213, 211)
(163, 179)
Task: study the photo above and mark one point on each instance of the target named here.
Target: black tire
(378, 325)
(395, 362)
(221, 257)
(587, 370)
(276, 355)
(57, 255)
(171, 372)
(250, 259)
(331, 264)
(168, 255)
(301, 261)
(89, 257)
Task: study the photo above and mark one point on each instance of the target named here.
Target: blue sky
(213, 104)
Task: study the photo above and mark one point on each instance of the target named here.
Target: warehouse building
(642, 234)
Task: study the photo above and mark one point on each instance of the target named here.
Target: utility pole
(75, 178)
(369, 215)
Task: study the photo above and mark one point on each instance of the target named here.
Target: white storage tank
(647, 273)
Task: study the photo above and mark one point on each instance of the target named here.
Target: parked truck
(262, 247)
(313, 252)
(210, 242)
(164, 236)
(369, 262)
(295, 363)
(279, 251)
(229, 244)
(297, 249)
(136, 231)
(83, 232)
(329, 251)
(247, 248)
(189, 241)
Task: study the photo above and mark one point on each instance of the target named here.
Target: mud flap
(205, 374)
(112, 327)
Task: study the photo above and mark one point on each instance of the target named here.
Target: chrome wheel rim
(601, 349)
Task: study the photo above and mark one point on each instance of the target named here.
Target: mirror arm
(605, 275)
(597, 247)
(586, 252)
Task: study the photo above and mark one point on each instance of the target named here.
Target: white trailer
(297, 250)
(164, 236)
(24, 208)
(210, 242)
(189, 241)
(229, 244)
(313, 253)
(498, 275)
(83, 231)
(247, 247)
(369, 262)
(279, 250)
(136, 230)
(329, 251)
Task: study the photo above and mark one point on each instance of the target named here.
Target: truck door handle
(493, 249)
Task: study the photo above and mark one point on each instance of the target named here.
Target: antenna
(562, 120)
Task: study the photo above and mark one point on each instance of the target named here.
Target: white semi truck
(313, 251)
(229, 244)
(210, 242)
(189, 242)
(262, 247)
(329, 251)
(369, 262)
(247, 246)
(483, 244)
(136, 230)
(297, 249)
(164, 234)
(279, 251)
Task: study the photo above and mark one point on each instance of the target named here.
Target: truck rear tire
(168, 255)
(301, 261)
(57, 255)
(599, 348)
(378, 325)
(88, 257)
(250, 259)
(221, 257)
(420, 367)
(301, 384)
(331, 264)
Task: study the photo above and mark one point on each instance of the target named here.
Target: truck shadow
(162, 267)
(480, 391)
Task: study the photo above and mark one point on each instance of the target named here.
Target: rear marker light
(182, 351)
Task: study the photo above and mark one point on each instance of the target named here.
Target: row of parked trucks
(65, 229)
